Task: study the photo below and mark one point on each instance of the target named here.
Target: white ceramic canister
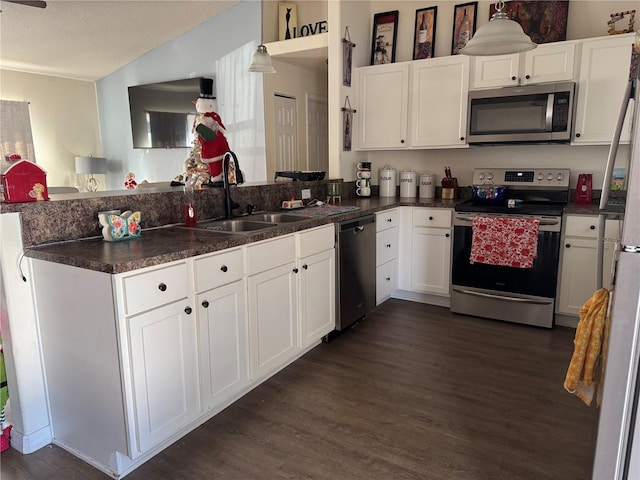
(427, 185)
(387, 181)
(408, 183)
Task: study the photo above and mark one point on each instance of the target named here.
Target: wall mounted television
(162, 113)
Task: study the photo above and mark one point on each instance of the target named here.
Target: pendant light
(261, 61)
(498, 37)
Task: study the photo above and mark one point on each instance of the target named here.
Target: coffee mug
(364, 166)
(363, 183)
(363, 191)
(363, 174)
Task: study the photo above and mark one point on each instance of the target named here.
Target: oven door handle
(502, 297)
(542, 222)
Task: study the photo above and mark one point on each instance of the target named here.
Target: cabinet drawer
(219, 269)
(157, 287)
(315, 240)
(386, 245)
(386, 281)
(386, 219)
(270, 253)
(432, 217)
(581, 226)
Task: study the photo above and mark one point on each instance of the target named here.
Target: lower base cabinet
(316, 293)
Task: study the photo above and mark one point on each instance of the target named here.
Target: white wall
(193, 54)
(64, 120)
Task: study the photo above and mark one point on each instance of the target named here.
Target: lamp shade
(261, 61)
(91, 165)
(500, 36)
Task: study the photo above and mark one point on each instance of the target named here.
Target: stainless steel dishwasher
(356, 267)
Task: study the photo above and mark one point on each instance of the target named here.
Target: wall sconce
(261, 61)
(91, 166)
(500, 36)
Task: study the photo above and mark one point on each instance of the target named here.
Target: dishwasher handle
(356, 224)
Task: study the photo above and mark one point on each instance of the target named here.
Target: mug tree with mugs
(363, 182)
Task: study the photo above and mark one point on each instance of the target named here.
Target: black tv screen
(162, 114)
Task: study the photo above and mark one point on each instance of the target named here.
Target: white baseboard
(439, 300)
(30, 443)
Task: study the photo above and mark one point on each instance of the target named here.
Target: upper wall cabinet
(604, 73)
(549, 62)
(382, 110)
(439, 99)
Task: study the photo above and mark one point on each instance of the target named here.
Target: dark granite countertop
(174, 242)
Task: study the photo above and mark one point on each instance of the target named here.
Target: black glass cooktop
(529, 208)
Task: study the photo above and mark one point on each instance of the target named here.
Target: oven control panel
(549, 178)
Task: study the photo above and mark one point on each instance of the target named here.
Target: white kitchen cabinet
(577, 280)
(386, 254)
(439, 97)
(222, 326)
(272, 302)
(383, 106)
(164, 365)
(431, 251)
(549, 62)
(316, 264)
(604, 73)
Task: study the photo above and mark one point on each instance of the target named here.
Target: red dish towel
(511, 242)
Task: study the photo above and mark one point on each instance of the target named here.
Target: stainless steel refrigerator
(617, 454)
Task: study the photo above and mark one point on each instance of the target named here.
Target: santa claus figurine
(209, 130)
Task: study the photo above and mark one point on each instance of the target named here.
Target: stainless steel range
(522, 295)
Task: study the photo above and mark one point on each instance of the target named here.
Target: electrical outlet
(306, 193)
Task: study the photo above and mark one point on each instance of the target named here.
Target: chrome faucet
(238, 178)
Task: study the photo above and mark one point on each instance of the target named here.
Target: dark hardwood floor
(412, 392)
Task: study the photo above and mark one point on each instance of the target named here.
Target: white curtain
(15, 130)
(241, 107)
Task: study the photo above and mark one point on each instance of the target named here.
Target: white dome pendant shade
(500, 36)
(261, 61)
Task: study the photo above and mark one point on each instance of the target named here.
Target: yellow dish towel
(587, 346)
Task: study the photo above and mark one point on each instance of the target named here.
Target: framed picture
(543, 21)
(287, 21)
(425, 33)
(464, 25)
(385, 32)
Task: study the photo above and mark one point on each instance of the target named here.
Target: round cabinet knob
(388, 279)
(514, 77)
(430, 218)
(205, 304)
(224, 268)
(295, 270)
(305, 266)
(462, 139)
(389, 220)
(527, 77)
(577, 134)
(401, 141)
(188, 310)
(568, 245)
(447, 235)
(388, 245)
(592, 227)
(162, 287)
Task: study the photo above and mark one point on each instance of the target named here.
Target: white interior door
(317, 133)
(286, 136)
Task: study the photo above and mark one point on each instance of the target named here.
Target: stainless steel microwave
(524, 114)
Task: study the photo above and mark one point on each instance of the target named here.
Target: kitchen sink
(279, 217)
(234, 225)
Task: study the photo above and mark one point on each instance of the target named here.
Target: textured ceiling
(88, 39)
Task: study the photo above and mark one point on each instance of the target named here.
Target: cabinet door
(439, 102)
(316, 295)
(164, 368)
(273, 331)
(604, 73)
(553, 62)
(578, 274)
(382, 112)
(222, 325)
(431, 260)
(495, 71)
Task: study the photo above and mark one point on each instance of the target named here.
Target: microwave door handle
(549, 115)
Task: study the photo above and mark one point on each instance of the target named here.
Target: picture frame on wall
(385, 33)
(544, 21)
(425, 33)
(464, 25)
